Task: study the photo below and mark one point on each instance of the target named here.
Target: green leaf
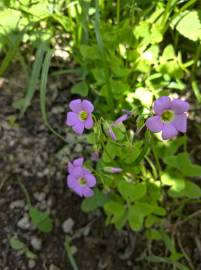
(153, 234)
(90, 52)
(110, 152)
(16, 243)
(41, 220)
(168, 53)
(151, 220)
(169, 148)
(119, 87)
(80, 88)
(174, 179)
(158, 210)
(119, 131)
(187, 21)
(99, 75)
(135, 218)
(9, 20)
(169, 243)
(29, 254)
(191, 191)
(144, 208)
(132, 192)
(97, 200)
(183, 163)
(130, 153)
(114, 209)
(156, 36)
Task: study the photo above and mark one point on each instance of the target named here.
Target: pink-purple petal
(78, 162)
(76, 105)
(116, 170)
(78, 190)
(70, 167)
(169, 131)
(112, 134)
(87, 106)
(71, 181)
(180, 122)
(72, 119)
(162, 104)
(121, 119)
(154, 124)
(90, 179)
(87, 192)
(89, 122)
(179, 106)
(77, 172)
(78, 127)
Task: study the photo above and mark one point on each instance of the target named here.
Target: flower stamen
(167, 116)
(83, 115)
(82, 182)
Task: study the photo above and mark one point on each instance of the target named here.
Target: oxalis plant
(132, 171)
(141, 60)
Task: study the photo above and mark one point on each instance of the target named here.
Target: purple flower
(81, 115)
(80, 179)
(170, 117)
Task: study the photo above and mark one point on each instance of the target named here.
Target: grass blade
(69, 254)
(43, 84)
(32, 84)
(103, 56)
(10, 55)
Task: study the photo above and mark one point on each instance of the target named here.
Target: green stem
(156, 158)
(22, 186)
(197, 57)
(118, 11)
(166, 14)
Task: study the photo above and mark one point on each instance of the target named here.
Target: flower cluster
(170, 119)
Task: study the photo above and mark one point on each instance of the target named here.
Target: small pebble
(36, 243)
(78, 148)
(73, 250)
(54, 267)
(67, 225)
(31, 264)
(17, 204)
(39, 196)
(24, 223)
(71, 139)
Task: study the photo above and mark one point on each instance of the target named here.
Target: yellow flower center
(82, 182)
(83, 115)
(167, 116)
